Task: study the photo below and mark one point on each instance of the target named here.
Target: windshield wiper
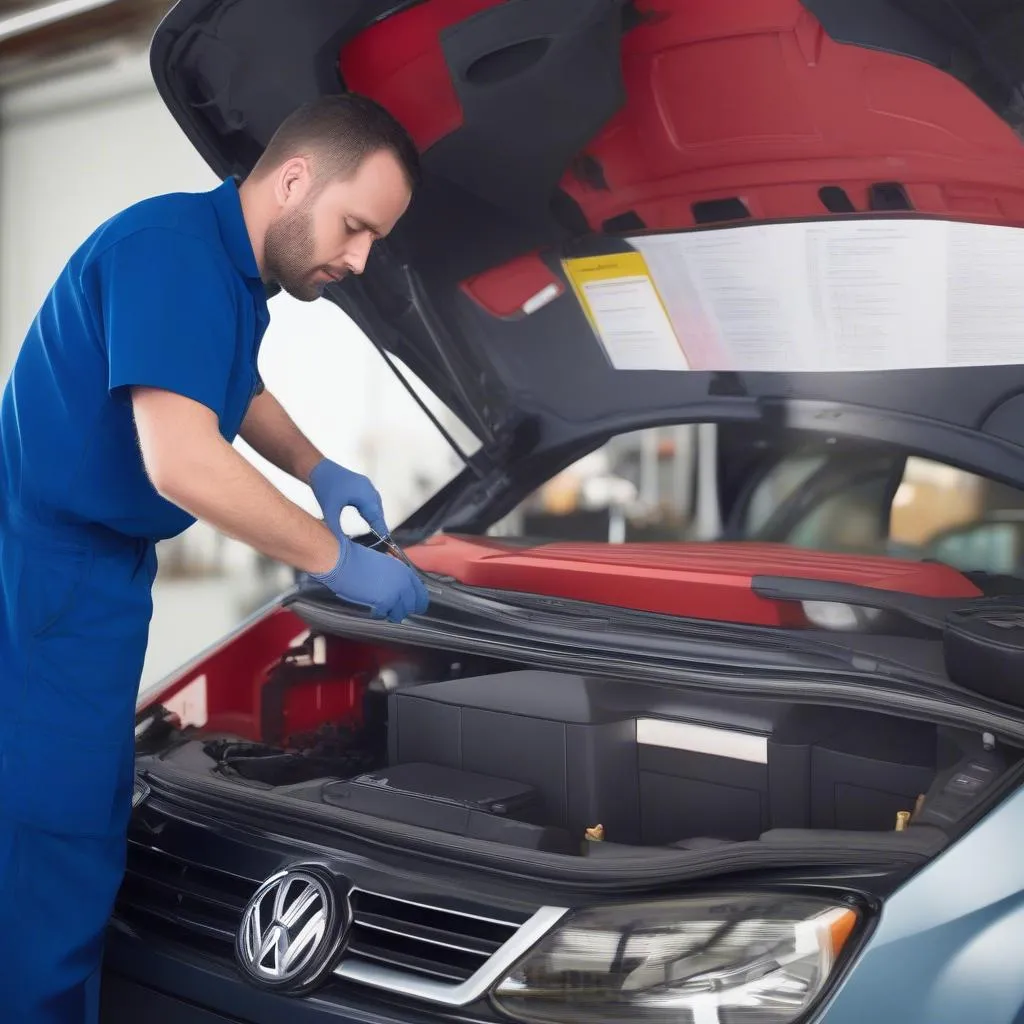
(931, 612)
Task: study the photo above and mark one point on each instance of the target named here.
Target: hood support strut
(452, 443)
(421, 304)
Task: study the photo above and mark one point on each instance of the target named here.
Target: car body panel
(947, 948)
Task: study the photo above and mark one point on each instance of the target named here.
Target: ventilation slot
(183, 901)
(629, 221)
(835, 199)
(889, 196)
(589, 171)
(508, 62)
(423, 940)
(715, 211)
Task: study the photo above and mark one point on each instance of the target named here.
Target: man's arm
(272, 433)
(191, 465)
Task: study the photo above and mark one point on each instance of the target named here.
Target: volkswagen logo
(292, 931)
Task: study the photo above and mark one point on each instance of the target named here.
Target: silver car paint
(949, 948)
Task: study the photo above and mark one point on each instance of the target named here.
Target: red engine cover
(700, 581)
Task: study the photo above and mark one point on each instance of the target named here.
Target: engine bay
(568, 764)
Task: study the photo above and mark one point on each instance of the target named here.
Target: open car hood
(795, 212)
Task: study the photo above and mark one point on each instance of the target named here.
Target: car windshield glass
(697, 483)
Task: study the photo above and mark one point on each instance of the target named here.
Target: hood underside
(802, 212)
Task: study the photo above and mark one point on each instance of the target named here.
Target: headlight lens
(734, 960)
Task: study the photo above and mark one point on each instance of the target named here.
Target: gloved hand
(336, 488)
(388, 587)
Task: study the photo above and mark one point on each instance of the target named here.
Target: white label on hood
(544, 297)
(626, 312)
(835, 296)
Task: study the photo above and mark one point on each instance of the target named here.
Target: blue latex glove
(388, 587)
(337, 488)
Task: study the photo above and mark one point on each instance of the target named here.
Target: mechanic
(116, 430)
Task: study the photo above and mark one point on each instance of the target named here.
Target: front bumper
(152, 981)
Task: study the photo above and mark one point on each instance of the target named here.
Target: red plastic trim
(399, 63)
(503, 291)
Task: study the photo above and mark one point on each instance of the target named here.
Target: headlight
(139, 793)
(733, 960)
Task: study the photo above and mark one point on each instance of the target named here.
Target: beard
(288, 254)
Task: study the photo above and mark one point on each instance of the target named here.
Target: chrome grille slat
(408, 965)
(412, 955)
(188, 922)
(445, 993)
(464, 944)
(160, 866)
(200, 893)
(413, 936)
(367, 896)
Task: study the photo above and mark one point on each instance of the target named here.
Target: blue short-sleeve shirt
(166, 294)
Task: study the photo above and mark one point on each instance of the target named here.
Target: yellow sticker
(622, 304)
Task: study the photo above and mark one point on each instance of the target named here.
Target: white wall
(75, 151)
(66, 164)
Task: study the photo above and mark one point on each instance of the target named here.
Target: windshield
(698, 483)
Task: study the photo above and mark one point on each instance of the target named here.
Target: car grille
(183, 900)
(424, 940)
(203, 907)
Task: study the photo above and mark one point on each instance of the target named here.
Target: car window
(985, 547)
(934, 497)
(851, 519)
(652, 486)
(937, 511)
(777, 487)
(638, 487)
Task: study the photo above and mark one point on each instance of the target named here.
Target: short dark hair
(339, 132)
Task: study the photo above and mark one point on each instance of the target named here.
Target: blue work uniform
(166, 294)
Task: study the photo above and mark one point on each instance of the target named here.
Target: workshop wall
(75, 150)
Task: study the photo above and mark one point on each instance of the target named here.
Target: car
(758, 761)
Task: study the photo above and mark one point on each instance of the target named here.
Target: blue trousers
(75, 606)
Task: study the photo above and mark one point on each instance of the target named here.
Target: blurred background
(83, 134)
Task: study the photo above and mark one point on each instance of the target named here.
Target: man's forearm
(192, 466)
(272, 433)
(224, 490)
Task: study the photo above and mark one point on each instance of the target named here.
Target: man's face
(322, 234)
